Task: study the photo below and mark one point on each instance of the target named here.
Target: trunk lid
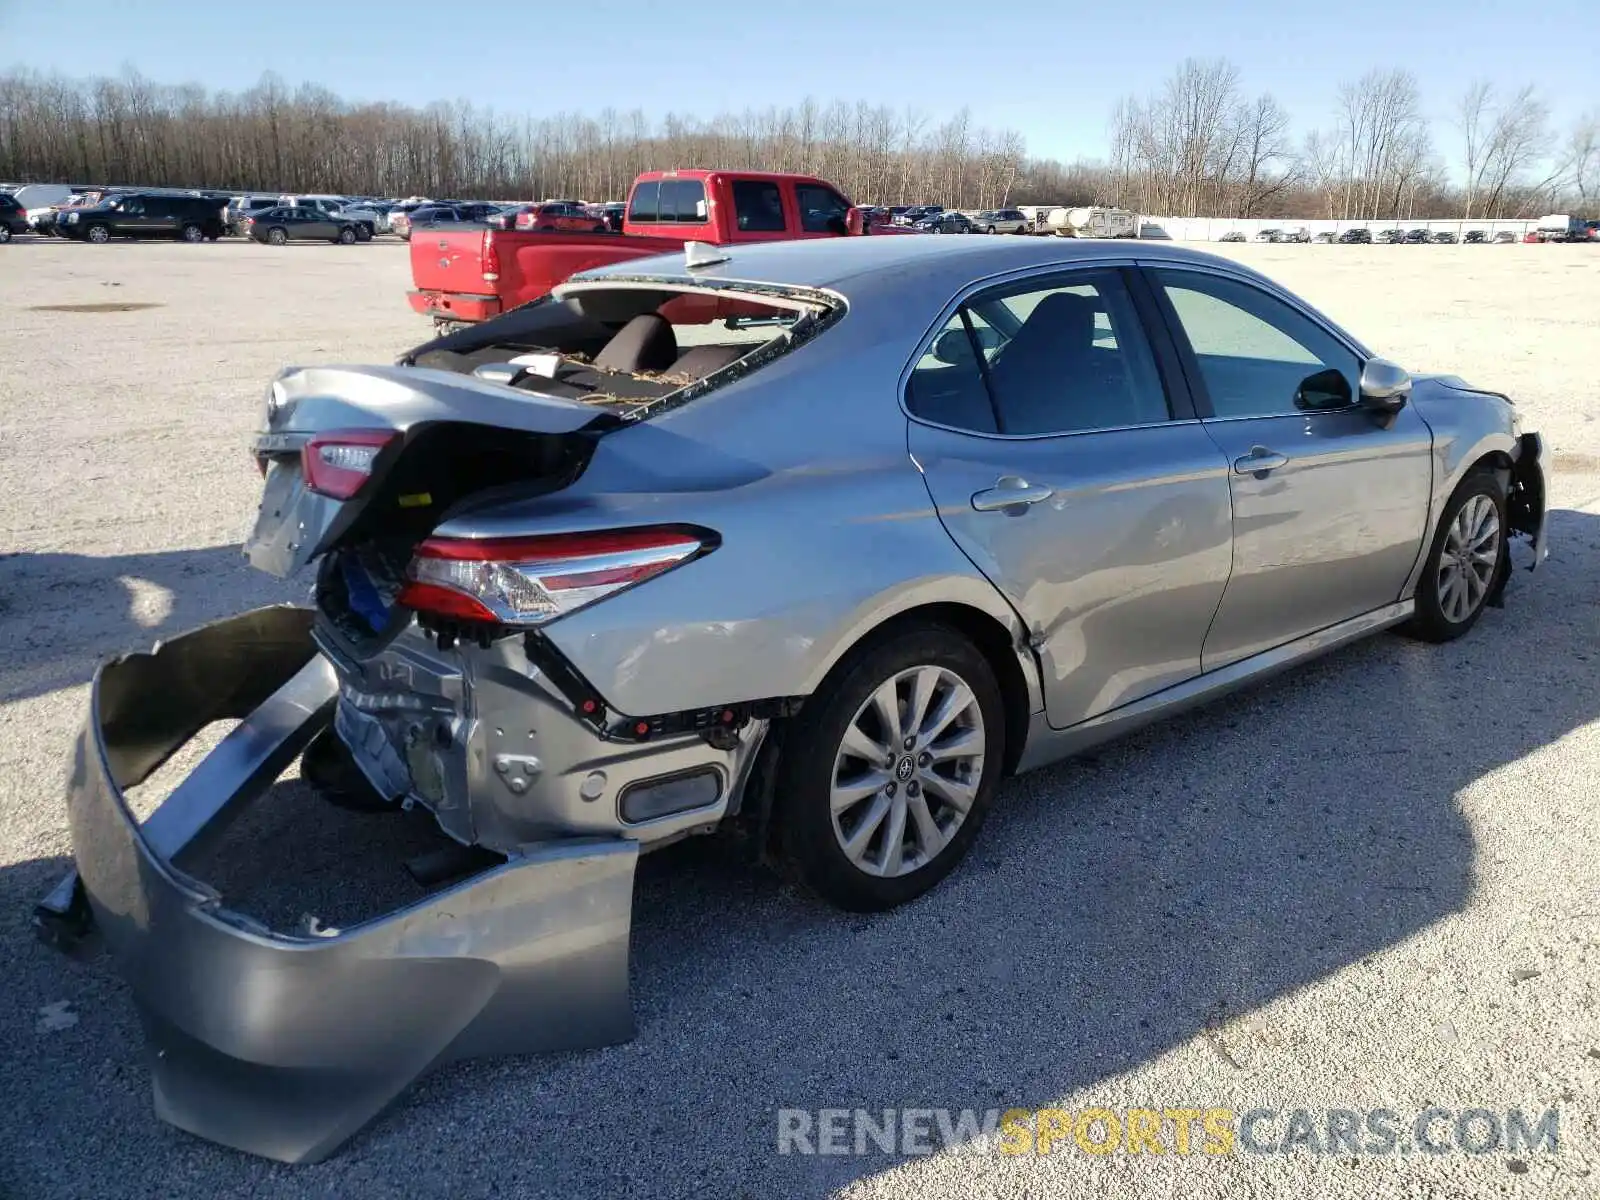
(454, 436)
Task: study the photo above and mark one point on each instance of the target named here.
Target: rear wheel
(277, 236)
(598, 229)
(5, 234)
(347, 236)
(889, 771)
(1467, 562)
(98, 234)
(192, 234)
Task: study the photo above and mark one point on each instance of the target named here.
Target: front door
(1330, 506)
(1050, 447)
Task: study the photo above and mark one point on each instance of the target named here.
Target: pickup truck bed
(450, 267)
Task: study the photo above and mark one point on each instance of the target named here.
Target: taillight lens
(526, 581)
(339, 462)
(491, 257)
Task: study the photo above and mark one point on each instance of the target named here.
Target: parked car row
(1383, 237)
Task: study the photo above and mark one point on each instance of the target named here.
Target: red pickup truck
(474, 274)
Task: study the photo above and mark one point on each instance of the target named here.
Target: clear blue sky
(1053, 80)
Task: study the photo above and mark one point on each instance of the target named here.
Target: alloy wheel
(908, 771)
(1469, 559)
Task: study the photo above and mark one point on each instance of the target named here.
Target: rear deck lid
(367, 427)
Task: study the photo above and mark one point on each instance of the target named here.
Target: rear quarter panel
(827, 531)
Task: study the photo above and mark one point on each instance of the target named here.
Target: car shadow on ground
(60, 614)
(1115, 908)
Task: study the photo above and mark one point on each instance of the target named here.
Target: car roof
(939, 263)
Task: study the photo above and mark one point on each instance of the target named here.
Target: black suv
(1359, 235)
(144, 215)
(13, 218)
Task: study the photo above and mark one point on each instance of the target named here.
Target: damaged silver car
(816, 540)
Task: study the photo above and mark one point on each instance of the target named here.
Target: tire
(363, 233)
(599, 229)
(927, 662)
(1458, 582)
(98, 234)
(347, 236)
(327, 766)
(989, 230)
(544, 228)
(5, 234)
(277, 236)
(192, 234)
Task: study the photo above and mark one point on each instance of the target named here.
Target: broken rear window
(624, 347)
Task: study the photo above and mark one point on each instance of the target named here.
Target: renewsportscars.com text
(1167, 1131)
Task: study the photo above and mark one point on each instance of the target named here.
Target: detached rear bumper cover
(284, 1045)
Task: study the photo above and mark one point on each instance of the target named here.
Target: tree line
(1197, 146)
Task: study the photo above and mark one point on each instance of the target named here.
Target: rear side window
(758, 206)
(822, 210)
(1058, 357)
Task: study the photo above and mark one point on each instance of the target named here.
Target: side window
(1257, 355)
(947, 384)
(134, 206)
(645, 203)
(1067, 356)
(758, 206)
(822, 210)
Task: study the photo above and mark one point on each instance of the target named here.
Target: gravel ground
(1371, 884)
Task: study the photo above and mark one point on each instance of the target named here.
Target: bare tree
(1471, 111)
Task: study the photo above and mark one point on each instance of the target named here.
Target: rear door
(1329, 505)
(161, 215)
(820, 211)
(1059, 445)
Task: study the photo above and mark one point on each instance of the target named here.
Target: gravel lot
(1372, 884)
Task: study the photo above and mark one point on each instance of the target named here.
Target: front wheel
(890, 769)
(192, 234)
(347, 236)
(1467, 562)
(98, 234)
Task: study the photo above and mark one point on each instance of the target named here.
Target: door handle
(1259, 461)
(1010, 491)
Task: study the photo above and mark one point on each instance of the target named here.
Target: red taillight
(491, 257)
(337, 463)
(525, 581)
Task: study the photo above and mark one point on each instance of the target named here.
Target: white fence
(1212, 229)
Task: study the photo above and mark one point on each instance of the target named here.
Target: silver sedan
(818, 539)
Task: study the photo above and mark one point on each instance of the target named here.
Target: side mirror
(1325, 390)
(1385, 386)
